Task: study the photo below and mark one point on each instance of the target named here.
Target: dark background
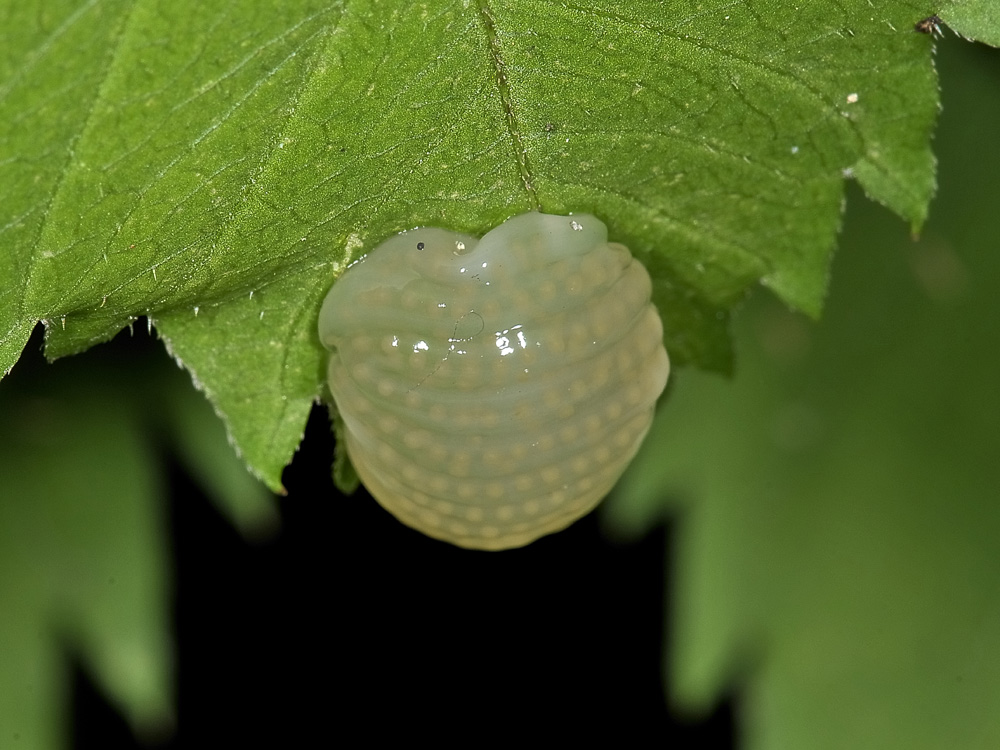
(347, 624)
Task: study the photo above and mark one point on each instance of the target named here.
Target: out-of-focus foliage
(836, 502)
(83, 538)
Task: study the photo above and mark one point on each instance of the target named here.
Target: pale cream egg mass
(493, 390)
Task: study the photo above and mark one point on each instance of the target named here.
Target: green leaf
(974, 19)
(837, 501)
(207, 151)
(259, 361)
(53, 59)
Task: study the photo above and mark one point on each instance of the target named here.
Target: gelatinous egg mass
(493, 390)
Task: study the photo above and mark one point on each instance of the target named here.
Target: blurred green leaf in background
(82, 557)
(84, 568)
(838, 501)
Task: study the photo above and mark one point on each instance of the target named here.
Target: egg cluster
(494, 390)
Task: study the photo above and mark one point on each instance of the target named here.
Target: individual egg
(493, 390)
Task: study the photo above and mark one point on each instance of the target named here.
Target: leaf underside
(215, 167)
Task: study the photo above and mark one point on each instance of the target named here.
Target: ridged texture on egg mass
(494, 390)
